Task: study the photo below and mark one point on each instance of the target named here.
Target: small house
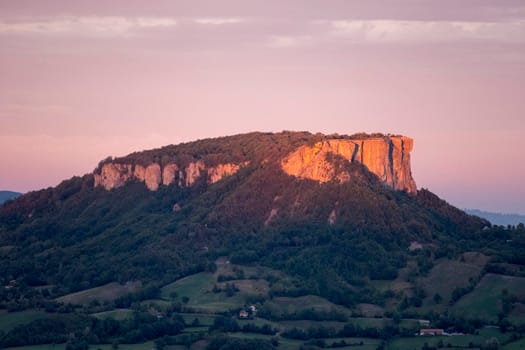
(243, 314)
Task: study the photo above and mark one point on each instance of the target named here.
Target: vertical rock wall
(113, 175)
(387, 157)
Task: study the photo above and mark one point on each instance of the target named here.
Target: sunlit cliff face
(113, 175)
(386, 157)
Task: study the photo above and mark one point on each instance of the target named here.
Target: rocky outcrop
(169, 173)
(152, 177)
(112, 175)
(139, 173)
(387, 157)
(192, 173)
(216, 173)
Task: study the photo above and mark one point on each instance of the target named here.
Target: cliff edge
(387, 157)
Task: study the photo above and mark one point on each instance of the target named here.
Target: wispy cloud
(410, 31)
(86, 26)
(218, 20)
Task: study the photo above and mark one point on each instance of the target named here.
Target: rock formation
(387, 157)
(152, 177)
(169, 173)
(113, 175)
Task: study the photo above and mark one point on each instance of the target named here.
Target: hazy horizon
(83, 81)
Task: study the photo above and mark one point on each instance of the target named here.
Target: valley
(211, 303)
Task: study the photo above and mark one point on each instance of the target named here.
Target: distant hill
(498, 218)
(7, 195)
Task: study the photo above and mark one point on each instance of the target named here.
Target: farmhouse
(243, 314)
(431, 331)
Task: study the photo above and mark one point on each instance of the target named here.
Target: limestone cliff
(112, 175)
(314, 157)
(387, 157)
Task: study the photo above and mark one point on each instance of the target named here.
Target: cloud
(86, 26)
(410, 31)
(218, 20)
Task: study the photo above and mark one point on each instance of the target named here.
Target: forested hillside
(349, 242)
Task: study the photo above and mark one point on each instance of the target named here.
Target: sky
(81, 81)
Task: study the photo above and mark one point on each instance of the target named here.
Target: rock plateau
(388, 157)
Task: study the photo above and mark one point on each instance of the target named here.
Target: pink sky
(84, 80)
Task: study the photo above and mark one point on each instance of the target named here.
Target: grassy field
(189, 286)
(484, 301)
(9, 320)
(517, 315)
(224, 267)
(119, 314)
(254, 287)
(108, 292)
(287, 305)
(306, 324)
(370, 310)
(397, 285)
(198, 288)
(447, 275)
(517, 345)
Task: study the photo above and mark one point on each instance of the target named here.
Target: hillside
(7, 195)
(286, 215)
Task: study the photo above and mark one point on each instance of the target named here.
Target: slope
(79, 235)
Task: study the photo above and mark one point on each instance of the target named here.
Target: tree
(161, 343)
(396, 317)
(437, 298)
